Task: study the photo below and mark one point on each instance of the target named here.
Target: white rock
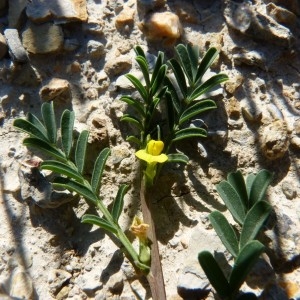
(56, 278)
(21, 286)
(90, 282)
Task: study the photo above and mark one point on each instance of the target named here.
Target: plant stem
(155, 276)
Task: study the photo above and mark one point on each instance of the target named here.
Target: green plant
(245, 202)
(43, 136)
(179, 86)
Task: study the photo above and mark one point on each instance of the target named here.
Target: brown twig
(155, 276)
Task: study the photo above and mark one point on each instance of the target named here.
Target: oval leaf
(185, 62)
(225, 232)
(259, 186)
(254, 220)
(232, 200)
(134, 121)
(98, 170)
(236, 179)
(96, 220)
(138, 85)
(37, 123)
(144, 67)
(214, 274)
(80, 151)
(49, 121)
(177, 158)
(136, 104)
(244, 263)
(67, 125)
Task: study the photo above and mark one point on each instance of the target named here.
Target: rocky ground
(75, 52)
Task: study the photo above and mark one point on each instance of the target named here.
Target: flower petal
(155, 147)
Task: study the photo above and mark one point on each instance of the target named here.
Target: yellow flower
(139, 229)
(152, 154)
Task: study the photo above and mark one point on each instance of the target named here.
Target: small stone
(90, 282)
(161, 25)
(94, 27)
(56, 278)
(15, 47)
(67, 10)
(252, 114)
(95, 49)
(297, 127)
(115, 283)
(98, 132)
(233, 108)
(281, 15)
(289, 190)
(138, 289)
(50, 38)
(233, 84)
(125, 17)
(71, 44)
(118, 65)
(3, 46)
(21, 286)
(274, 140)
(15, 11)
(63, 293)
(56, 89)
(250, 58)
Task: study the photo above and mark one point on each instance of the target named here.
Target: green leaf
(259, 186)
(158, 64)
(170, 111)
(214, 274)
(37, 123)
(225, 232)
(205, 63)
(184, 60)
(74, 186)
(232, 200)
(244, 263)
(133, 139)
(119, 202)
(177, 158)
(30, 129)
(98, 170)
(96, 220)
(196, 109)
(159, 79)
(254, 221)
(61, 168)
(139, 51)
(172, 94)
(236, 179)
(207, 85)
(249, 181)
(179, 75)
(136, 104)
(134, 121)
(138, 85)
(49, 121)
(45, 147)
(193, 52)
(144, 68)
(80, 151)
(189, 132)
(67, 125)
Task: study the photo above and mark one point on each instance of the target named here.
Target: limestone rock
(288, 188)
(256, 24)
(233, 84)
(3, 46)
(21, 286)
(125, 17)
(43, 38)
(15, 10)
(115, 283)
(291, 5)
(250, 58)
(26, 75)
(274, 140)
(90, 282)
(233, 108)
(16, 49)
(162, 25)
(118, 65)
(95, 49)
(56, 278)
(56, 89)
(99, 133)
(281, 15)
(67, 10)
